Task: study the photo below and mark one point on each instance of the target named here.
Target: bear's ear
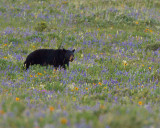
(73, 50)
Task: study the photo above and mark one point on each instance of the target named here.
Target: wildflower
(71, 86)
(105, 87)
(17, 99)
(140, 102)
(146, 30)
(44, 71)
(1, 112)
(138, 83)
(63, 120)
(82, 55)
(142, 86)
(39, 73)
(102, 106)
(33, 46)
(5, 44)
(94, 84)
(43, 90)
(142, 65)
(76, 88)
(50, 96)
(42, 85)
(64, 108)
(86, 88)
(35, 76)
(124, 62)
(65, 2)
(151, 31)
(101, 53)
(149, 68)
(110, 35)
(32, 87)
(122, 5)
(31, 75)
(5, 57)
(98, 29)
(137, 22)
(100, 83)
(51, 108)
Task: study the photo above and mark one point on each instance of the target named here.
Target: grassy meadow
(114, 81)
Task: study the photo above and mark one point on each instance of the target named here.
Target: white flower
(32, 87)
(71, 86)
(42, 85)
(82, 55)
(124, 61)
(50, 96)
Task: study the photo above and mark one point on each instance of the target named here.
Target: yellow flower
(39, 73)
(17, 99)
(100, 83)
(64, 107)
(102, 106)
(150, 30)
(31, 75)
(98, 29)
(110, 35)
(1, 112)
(63, 120)
(105, 87)
(5, 44)
(140, 103)
(51, 108)
(86, 88)
(76, 88)
(149, 68)
(33, 46)
(65, 2)
(142, 65)
(124, 62)
(137, 22)
(5, 57)
(146, 30)
(122, 5)
(35, 76)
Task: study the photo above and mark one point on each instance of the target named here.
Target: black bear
(58, 57)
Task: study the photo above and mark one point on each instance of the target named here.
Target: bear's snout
(71, 58)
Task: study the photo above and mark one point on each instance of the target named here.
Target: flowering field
(114, 81)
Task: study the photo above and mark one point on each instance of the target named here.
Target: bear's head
(69, 54)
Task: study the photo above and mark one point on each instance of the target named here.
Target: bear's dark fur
(58, 57)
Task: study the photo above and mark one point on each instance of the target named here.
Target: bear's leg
(68, 64)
